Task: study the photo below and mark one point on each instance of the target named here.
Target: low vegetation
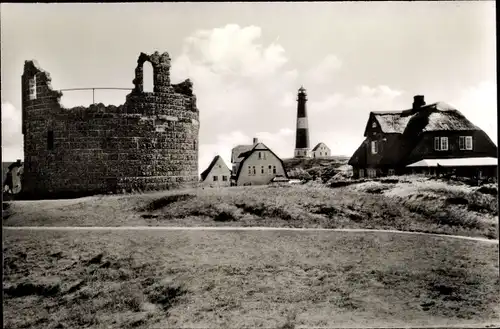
(316, 169)
(404, 203)
(236, 279)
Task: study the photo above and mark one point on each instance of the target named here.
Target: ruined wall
(148, 143)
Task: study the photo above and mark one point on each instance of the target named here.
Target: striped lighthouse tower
(302, 136)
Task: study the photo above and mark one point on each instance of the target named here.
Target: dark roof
(211, 165)
(258, 147)
(317, 146)
(359, 155)
(437, 116)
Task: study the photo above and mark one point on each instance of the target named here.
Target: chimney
(255, 140)
(418, 102)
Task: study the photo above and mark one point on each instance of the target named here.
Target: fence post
(93, 98)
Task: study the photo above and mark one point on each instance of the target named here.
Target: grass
(236, 279)
(406, 203)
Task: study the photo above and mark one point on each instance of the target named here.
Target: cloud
(479, 104)
(339, 119)
(12, 138)
(222, 146)
(242, 85)
(323, 72)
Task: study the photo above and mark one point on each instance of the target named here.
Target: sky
(248, 60)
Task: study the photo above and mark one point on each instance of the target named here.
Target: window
(269, 169)
(254, 172)
(391, 172)
(216, 178)
(371, 172)
(441, 143)
(320, 153)
(50, 140)
(465, 142)
(274, 169)
(374, 147)
(361, 173)
(468, 142)
(249, 170)
(444, 143)
(224, 178)
(374, 124)
(260, 155)
(147, 77)
(261, 169)
(32, 88)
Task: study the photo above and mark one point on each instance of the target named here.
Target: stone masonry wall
(148, 143)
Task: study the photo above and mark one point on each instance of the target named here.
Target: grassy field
(414, 204)
(236, 279)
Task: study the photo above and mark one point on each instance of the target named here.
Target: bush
(489, 189)
(165, 201)
(29, 288)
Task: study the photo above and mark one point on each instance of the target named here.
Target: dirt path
(229, 228)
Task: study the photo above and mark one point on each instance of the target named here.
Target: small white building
(321, 151)
(217, 174)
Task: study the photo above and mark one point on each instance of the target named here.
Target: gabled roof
(435, 116)
(255, 148)
(319, 144)
(216, 159)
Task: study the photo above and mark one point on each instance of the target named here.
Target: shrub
(457, 200)
(29, 288)
(165, 295)
(165, 201)
(489, 189)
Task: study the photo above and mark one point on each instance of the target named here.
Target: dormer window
(32, 88)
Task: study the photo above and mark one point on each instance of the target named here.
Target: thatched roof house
(395, 140)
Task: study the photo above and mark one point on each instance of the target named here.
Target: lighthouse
(302, 135)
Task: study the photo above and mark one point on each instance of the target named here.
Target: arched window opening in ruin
(148, 82)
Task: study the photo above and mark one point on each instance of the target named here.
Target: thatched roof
(438, 116)
(392, 122)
